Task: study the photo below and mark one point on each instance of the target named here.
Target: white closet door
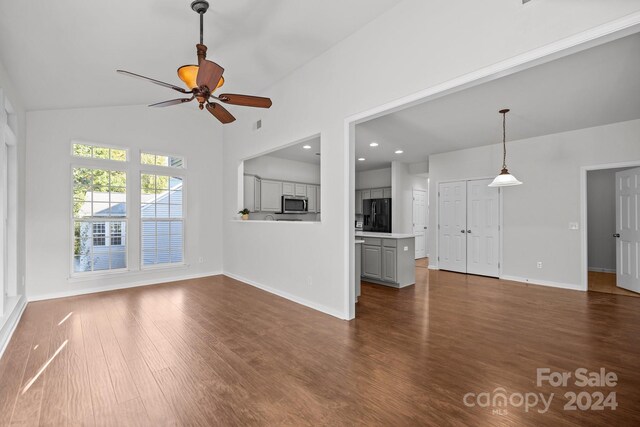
(420, 222)
(628, 229)
(482, 228)
(452, 241)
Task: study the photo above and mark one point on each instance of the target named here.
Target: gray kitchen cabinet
(288, 189)
(372, 261)
(389, 259)
(386, 193)
(252, 187)
(366, 194)
(358, 203)
(300, 190)
(377, 193)
(311, 192)
(270, 195)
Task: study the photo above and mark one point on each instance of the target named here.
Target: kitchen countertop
(384, 235)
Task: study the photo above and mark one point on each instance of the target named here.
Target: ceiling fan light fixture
(505, 179)
(189, 74)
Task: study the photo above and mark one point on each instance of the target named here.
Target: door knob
(616, 235)
(469, 231)
(462, 231)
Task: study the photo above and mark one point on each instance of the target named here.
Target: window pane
(81, 150)
(120, 155)
(99, 152)
(99, 245)
(161, 160)
(162, 241)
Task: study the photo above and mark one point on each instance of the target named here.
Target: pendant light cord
(504, 140)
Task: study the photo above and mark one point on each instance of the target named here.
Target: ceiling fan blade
(246, 100)
(220, 113)
(209, 74)
(171, 102)
(158, 82)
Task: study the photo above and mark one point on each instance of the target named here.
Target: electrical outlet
(201, 260)
(539, 264)
(406, 248)
(309, 281)
(573, 226)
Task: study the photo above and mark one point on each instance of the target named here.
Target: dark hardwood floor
(606, 282)
(215, 351)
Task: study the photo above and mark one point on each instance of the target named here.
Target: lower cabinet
(372, 261)
(389, 264)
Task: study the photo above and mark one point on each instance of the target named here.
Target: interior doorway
(420, 222)
(613, 232)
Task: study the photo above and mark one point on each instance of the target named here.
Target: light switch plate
(573, 226)
(406, 248)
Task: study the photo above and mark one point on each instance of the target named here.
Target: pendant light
(505, 179)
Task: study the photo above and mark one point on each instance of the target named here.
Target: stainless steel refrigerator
(376, 215)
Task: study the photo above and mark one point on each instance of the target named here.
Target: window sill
(84, 277)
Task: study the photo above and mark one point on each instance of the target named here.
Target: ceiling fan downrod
(201, 7)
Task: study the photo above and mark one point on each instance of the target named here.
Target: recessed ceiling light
(399, 151)
(373, 144)
(306, 147)
(361, 159)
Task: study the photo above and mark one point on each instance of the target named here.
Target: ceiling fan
(202, 80)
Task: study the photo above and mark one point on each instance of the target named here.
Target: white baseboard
(573, 287)
(433, 267)
(7, 330)
(602, 270)
(290, 297)
(136, 284)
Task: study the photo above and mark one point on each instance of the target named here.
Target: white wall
(397, 54)
(178, 130)
(376, 178)
(601, 219)
(403, 182)
(536, 215)
(268, 167)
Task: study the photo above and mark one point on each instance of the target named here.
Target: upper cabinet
(252, 193)
(288, 189)
(311, 192)
(371, 193)
(301, 190)
(271, 195)
(377, 193)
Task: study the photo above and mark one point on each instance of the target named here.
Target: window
(99, 152)
(161, 160)
(161, 210)
(99, 219)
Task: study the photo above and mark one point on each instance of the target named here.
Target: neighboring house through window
(99, 210)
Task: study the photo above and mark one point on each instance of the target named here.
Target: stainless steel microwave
(291, 204)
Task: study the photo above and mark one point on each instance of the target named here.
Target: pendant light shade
(505, 179)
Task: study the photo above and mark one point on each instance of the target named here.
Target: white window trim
(163, 171)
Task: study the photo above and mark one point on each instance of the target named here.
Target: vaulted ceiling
(595, 87)
(64, 53)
